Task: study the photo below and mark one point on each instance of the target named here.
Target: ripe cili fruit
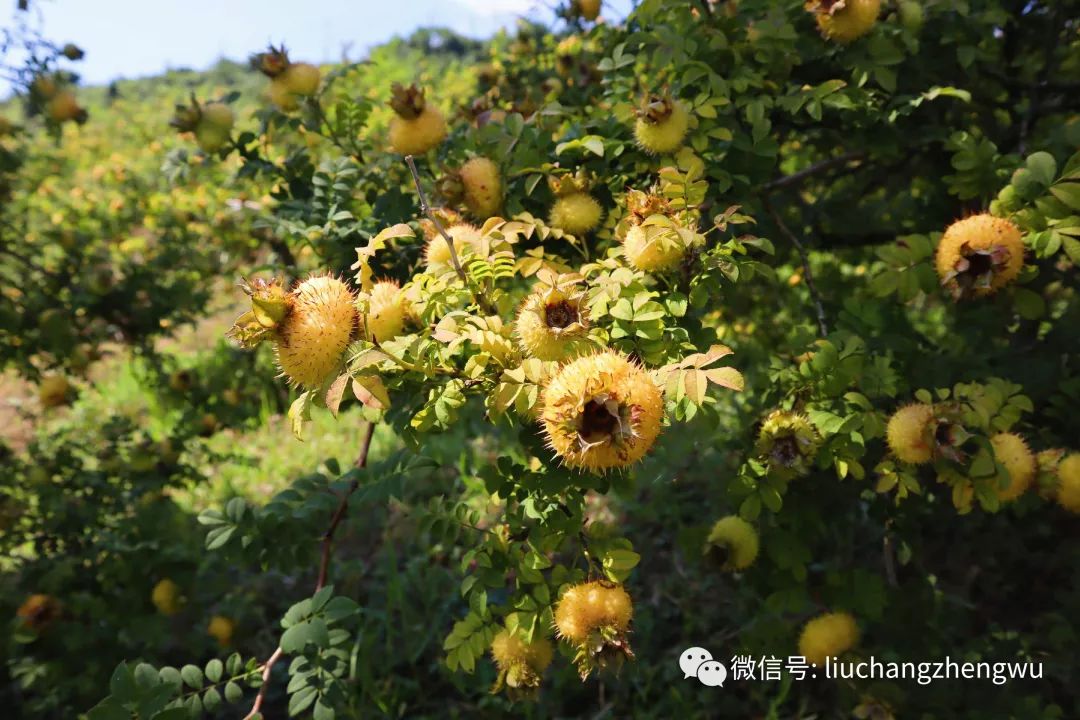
(1011, 451)
(1068, 483)
(214, 127)
(595, 617)
(909, 433)
(417, 126)
(845, 20)
(466, 239)
(301, 79)
(553, 322)
(788, 442)
(38, 612)
(588, 9)
(64, 107)
(54, 391)
(520, 663)
(313, 335)
(288, 80)
(481, 187)
(575, 211)
(732, 544)
(979, 255)
(654, 238)
(221, 629)
(828, 636)
(166, 597)
(387, 310)
(661, 125)
(601, 411)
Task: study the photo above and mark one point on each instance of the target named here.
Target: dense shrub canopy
(745, 325)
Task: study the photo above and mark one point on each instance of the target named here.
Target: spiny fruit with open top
(845, 20)
(520, 663)
(553, 322)
(661, 125)
(979, 255)
(601, 412)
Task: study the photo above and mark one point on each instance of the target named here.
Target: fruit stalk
(425, 208)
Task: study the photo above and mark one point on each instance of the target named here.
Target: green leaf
(214, 670)
(1068, 193)
(1029, 304)
(1043, 167)
(193, 676)
(233, 692)
(122, 684)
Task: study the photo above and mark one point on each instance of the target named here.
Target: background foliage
(823, 175)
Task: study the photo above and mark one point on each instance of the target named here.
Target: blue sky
(133, 38)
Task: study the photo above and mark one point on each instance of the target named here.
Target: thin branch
(324, 561)
(426, 209)
(807, 273)
(256, 707)
(819, 167)
(343, 507)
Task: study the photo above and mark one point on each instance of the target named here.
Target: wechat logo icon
(698, 663)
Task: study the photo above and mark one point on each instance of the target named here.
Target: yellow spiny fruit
(588, 607)
(589, 9)
(54, 391)
(845, 20)
(214, 127)
(732, 543)
(1068, 485)
(653, 248)
(788, 442)
(64, 107)
(437, 253)
(827, 636)
(520, 663)
(908, 433)
(301, 79)
(312, 338)
(282, 96)
(979, 255)
(577, 213)
(601, 411)
(38, 612)
(482, 186)
(387, 310)
(508, 648)
(415, 136)
(661, 125)
(221, 629)
(416, 126)
(1012, 452)
(166, 597)
(553, 323)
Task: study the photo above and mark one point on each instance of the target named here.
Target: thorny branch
(426, 209)
(807, 273)
(324, 561)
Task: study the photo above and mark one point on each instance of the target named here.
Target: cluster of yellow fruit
(289, 81)
(979, 255)
(49, 94)
(211, 123)
(920, 433)
(168, 599)
(594, 618)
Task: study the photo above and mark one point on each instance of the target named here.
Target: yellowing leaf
(370, 390)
